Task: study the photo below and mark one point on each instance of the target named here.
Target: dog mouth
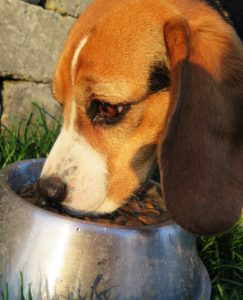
(144, 207)
(64, 209)
(31, 193)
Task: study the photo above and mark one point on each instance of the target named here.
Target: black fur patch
(231, 11)
(159, 78)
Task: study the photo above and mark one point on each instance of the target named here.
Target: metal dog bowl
(64, 258)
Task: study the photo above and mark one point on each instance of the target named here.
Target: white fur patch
(82, 168)
(78, 164)
(107, 206)
(82, 43)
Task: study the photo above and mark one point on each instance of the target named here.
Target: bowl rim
(5, 186)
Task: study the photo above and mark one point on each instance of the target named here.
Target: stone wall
(32, 36)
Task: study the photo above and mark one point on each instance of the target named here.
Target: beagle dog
(147, 80)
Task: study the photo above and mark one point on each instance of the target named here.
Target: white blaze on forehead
(81, 44)
(81, 167)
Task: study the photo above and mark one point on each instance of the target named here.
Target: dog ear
(201, 153)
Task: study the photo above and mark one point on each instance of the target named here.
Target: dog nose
(52, 189)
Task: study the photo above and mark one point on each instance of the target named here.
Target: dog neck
(231, 11)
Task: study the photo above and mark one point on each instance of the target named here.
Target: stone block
(66, 7)
(31, 40)
(18, 97)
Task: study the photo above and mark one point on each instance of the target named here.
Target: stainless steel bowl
(65, 258)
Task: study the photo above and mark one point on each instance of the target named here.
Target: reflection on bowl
(65, 258)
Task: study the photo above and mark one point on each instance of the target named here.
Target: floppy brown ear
(201, 154)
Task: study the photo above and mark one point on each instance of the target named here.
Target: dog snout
(52, 189)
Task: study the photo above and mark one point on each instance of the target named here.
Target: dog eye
(109, 111)
(101, 112)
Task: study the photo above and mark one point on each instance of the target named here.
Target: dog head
(139, 80)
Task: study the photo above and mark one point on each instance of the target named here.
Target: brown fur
(197, 124)
(202, 158)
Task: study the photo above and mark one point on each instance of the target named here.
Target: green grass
(221, 254)
(223, 257)
(24, 141)
(6, 295)
(94, 293)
